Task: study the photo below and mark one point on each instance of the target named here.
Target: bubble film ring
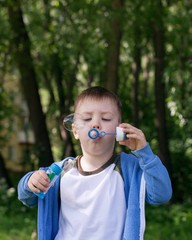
(93, 133)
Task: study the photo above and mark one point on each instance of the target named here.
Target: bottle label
(51, 176)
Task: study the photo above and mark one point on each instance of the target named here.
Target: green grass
(17, 229)
(17, 225)
(17, 222)
(172, 222)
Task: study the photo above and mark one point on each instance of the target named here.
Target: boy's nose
(96, 126)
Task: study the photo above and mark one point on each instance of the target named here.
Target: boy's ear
(75, 132)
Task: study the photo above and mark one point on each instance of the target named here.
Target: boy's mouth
(98, 139)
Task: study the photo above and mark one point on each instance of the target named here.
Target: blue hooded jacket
(145, 179)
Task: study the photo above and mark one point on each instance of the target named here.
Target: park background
(51, 50)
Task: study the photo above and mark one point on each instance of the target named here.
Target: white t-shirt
(93, 207)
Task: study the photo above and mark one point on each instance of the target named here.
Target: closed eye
(87, 119)
(106, 119)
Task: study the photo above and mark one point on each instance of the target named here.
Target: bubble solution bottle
(53, 173)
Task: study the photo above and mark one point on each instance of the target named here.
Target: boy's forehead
(102, 105)
(91, 103)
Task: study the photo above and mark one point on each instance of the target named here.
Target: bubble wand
(95, 133)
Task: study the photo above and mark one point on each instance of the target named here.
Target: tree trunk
(146, 72)
(4, 173)
(114, 46)
(136, 69)
(29, 82)
(69, 149)
(159, 54)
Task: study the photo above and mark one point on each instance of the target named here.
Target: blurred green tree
(140, 50)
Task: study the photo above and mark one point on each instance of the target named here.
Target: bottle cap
(120, 135)
(55, 168)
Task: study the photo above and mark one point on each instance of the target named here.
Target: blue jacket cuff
(145, 155)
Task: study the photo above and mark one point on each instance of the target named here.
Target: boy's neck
(92, 163)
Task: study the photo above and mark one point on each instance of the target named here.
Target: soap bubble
(74, 119)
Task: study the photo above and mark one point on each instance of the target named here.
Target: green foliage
(6, 112)
(69, 42)
(181, 178)
(172, 222)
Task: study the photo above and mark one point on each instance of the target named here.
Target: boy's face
(102, 115)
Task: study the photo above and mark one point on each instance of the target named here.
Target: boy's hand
(38, 181)
(135, 137)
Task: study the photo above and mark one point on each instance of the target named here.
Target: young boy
(101, 194)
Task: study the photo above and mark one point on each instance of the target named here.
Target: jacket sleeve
(158, 183)
(25, 195)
